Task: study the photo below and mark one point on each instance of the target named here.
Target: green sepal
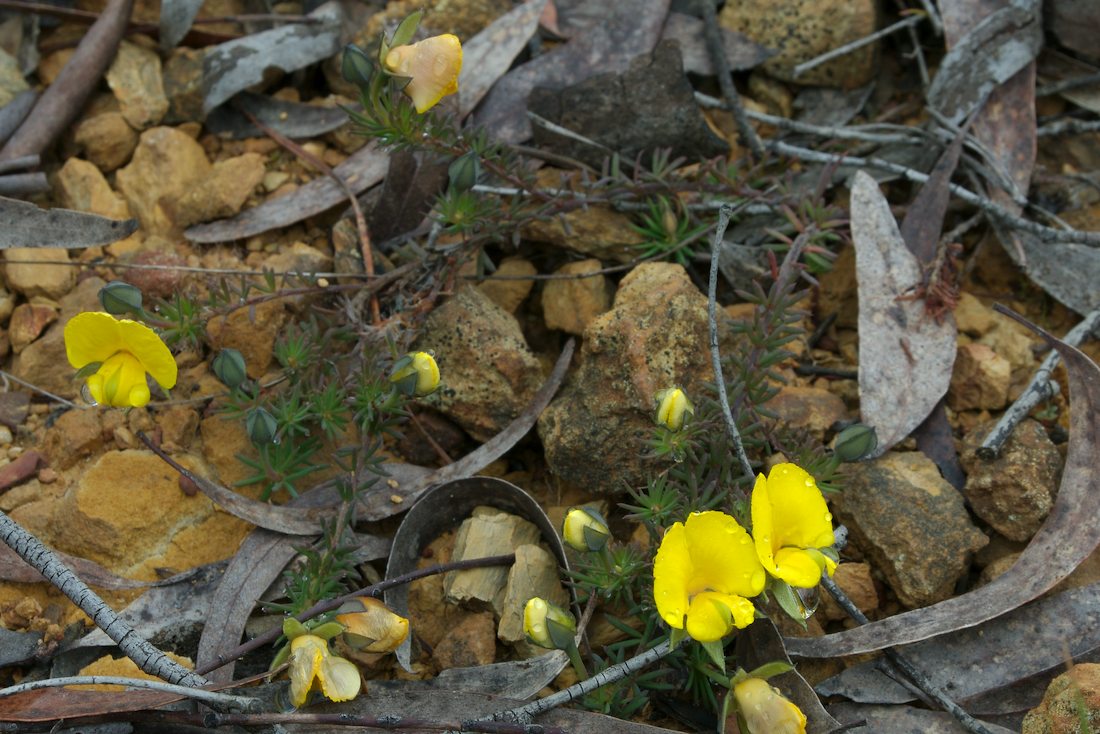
(357, 642)
(280, 657)
(328, 630)
(717, 653)
(676, 636)
(293, 628)
(729, 703)
(788, 601)
(88, 370)
(767, 670)
(831, 553)
(356, 67)
(406, 29)
(561, 636)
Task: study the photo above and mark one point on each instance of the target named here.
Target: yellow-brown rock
(508, 293)
(1069, 698)
(980, 379)
(571, 303)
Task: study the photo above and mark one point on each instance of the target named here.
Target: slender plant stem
(715, 357)
(712, 32)
(856, 45)
(1040, 388)
(904, 666)
(42, 559)
(604, 677)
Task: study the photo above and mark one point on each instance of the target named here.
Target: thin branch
(615, 673)
(904, 666)
(715, 357)
(859, 43)
(1067, 84)
(223, 701)
(1068, 127)
(1040, 388)
(325, 722)
(712, 32)
(1047, 234)
(372, 590)
(41, 391)
(42, 559)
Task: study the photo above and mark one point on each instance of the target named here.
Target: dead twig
(904, 666)
(855, 45)
(223, 701)
(148, 658)
(20, 184)
(1047, 234)
(63, 100)
(713, 35)
(360, 220)
(1040, 388)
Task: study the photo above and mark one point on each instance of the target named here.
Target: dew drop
(808, 600)
(86, 393)
(809, 482)
(828, 517)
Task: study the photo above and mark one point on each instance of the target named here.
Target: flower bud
(855, 442)
(416, 374)
(464, 171)
(766, 710)
(370, 626)
(585, 530)
(356, 66)
(548, 625)
(229, 367)
(261, 426)
(673, 406)
(119, 298)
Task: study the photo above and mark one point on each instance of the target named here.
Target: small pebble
(47, 475)
(5, 435)
(14, 451)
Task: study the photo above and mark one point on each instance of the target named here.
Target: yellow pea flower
(312, 665)
(432, 66)
(672, 407)
(766, 710)
(416, 374)
(704, 574)
(548, 625)
(371, 626)
(126, 350)
(790, 521)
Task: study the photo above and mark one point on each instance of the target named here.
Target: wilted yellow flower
(790, 521)
(672, 406)
(548, 625)
(126, 350)
(704, 574)
(312, 665)
(432, 66)
(416, 374)
(584, 530)
(371, 626)
(766, 710)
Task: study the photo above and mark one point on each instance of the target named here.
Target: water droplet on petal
(809, 482)
(828, 517)
(86, 393)
(808, 600)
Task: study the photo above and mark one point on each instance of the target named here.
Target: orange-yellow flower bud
(432, 66)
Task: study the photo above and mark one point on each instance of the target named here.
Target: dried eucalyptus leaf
(22, 224)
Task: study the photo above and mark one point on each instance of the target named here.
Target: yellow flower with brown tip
(313, 666)
(432, 66)
(766, 710)
(371, 626)
(704, 574)
(126, 351)
(790, 522)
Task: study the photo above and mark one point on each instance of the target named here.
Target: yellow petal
(340, 680)
(306, 655)
(763, 530)
(376, 628)
(711, 615)
(154, 355)
(91, 336)
(433, 65)
(767, 711)
(121, 382)
(799, 512)
(798, 567)
(672, 570)
(722, 556)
